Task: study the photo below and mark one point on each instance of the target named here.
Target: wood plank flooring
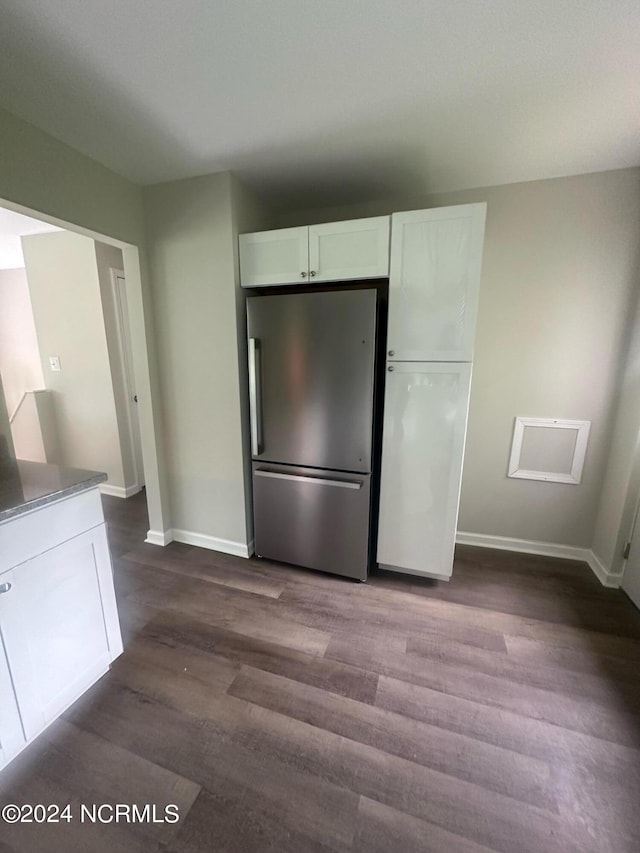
(284, 711)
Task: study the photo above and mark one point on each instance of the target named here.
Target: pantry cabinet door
(436, 256)
(425, 417)
(58, 626)
(347, 251)
(274, 257)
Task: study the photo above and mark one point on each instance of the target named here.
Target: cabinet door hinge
(626, 552)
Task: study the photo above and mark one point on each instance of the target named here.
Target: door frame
(123, 340)
(135, 266)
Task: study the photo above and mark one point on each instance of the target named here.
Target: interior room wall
(559, 276)
(20, 365)
(44, 175)
(65, 295)
(108, 258)
(249, 213)
(7, 453)
(191, 254)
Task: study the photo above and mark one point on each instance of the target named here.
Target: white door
(55, 620)
(12, 737)
(344, 251)
(274, 257)
(436, 256)
(425, 418)
(631, 577)
(126, 354)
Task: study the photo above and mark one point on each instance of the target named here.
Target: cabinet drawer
(34, 532)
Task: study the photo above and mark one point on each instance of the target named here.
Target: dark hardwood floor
(285, 711)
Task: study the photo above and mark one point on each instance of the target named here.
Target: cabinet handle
(312, 273)
(303, 274)
(5, 587)
(392, 352)
(390, 368)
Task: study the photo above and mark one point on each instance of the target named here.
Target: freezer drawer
(312, 517)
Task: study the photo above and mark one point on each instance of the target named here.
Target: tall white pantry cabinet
(436, 258)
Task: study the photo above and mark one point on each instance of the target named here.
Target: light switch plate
(54, 362)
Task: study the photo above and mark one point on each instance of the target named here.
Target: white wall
(20, 365)
(42, 175)
(65, 295)
(191, 253)
(7, 453)
(559, 276)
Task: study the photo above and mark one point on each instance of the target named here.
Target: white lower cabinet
(59, 628)
(425, 417)
(12, 737)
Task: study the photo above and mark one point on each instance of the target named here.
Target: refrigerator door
(312, 517)
(311, 372)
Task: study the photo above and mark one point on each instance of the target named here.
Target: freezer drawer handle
(255, 403)
(341, 484)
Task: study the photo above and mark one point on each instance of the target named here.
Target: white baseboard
(213, 543)
(523, 546)
(159, 537)
(603, 574)
(119, 491)
(543, 549)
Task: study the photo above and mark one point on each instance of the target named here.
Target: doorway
(140, 363)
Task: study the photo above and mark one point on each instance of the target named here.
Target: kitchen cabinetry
(434, 283)
(423, 445)
(58, 618)
(337, 251)
(436, 257)
(12, 737)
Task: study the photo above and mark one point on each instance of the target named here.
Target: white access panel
(436, 259)
(59, 626)
(346, 251)
(274, 257)
(425, 419)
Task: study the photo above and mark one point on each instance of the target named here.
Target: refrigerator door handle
(255, 402)
(320, 481)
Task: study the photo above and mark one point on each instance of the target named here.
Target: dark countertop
(25, 486)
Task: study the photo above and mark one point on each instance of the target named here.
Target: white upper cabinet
(274, 257)
(436, 257)
(337, 251)
(425, 417)
(344, 251)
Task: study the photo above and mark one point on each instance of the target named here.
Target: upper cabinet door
(344, 251)
(274, 257)
(436, 257)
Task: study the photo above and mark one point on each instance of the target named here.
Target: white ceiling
(331, 100)
(12, 227)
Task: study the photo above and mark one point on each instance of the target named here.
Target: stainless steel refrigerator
(311, 387)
